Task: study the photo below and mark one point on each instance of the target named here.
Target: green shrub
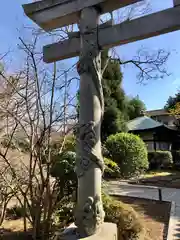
(129, 152)
(105, 152)
(64, 214)
(16, 212)
(159, 159)
(111, 169)
(63, 170)
(69, 143)
(176, 158)
(127, 220)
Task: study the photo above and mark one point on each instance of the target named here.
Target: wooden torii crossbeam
(141, 28)
(51, 14)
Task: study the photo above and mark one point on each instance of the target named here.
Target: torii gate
(88, 43)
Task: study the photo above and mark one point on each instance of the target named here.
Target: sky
(154, 93)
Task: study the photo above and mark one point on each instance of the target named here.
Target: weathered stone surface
(51, 14)
(145, 27)
(108, 231)
(89, 165)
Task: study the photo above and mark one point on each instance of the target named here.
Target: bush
(69, 144)
(127, 220)
(111, 169)
(64, 214)
(105, 152)
(129, 152)
(16, 212)
(159, 159)
(176, 158)
(63, 170)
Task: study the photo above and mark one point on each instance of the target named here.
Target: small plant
(63, 170)
(111, 169)
(67, 144)
(127, 220)
(159, 159)
(129, 152)
(16, 212)
(64, 214)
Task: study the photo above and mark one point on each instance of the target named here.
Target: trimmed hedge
(176, 158)
(127, 220)
(129, 152)
(159, 159)
(111, 169)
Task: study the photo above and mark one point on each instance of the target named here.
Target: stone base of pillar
(108, 231)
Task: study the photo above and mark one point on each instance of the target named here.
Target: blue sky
(153, 93)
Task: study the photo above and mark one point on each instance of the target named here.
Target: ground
(154, 214)
(168, 179)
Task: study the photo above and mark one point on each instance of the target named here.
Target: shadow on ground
(8, 234)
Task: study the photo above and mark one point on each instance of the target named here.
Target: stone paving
(168, 194)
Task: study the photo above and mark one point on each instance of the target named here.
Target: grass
(160, 178)
(161, 173)
(157, 173)
(16, 225)
(14, 230)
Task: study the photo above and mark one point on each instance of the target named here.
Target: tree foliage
(173, 106)
(175, 111)
(172, 100)
(135, 107)
(114, 98)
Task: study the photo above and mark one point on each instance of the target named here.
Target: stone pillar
(89, 167)
(89, 215)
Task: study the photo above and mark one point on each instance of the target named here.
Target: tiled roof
(142, 123)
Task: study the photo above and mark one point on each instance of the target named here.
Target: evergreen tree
(114, 99)
(173, 106)
(172, 101)
(135, 107)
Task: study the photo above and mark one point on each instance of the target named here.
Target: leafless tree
(35, 104)
(151, 64)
